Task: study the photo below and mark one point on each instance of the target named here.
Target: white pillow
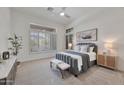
(84, 48)
(91, 49)
(77, 48)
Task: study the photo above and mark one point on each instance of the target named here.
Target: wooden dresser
(8, 71)
(106, 61)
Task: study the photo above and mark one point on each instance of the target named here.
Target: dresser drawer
(101, 60)
(106, 61)
(110, 61)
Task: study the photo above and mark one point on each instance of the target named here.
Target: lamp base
(105, 51)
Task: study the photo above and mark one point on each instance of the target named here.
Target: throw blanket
(85, 59)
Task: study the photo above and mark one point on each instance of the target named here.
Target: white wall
(20, 25)
(4, 28)
(110, 24)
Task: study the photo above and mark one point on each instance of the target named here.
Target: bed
(81, 58)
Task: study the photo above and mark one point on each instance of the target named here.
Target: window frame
(43, 51)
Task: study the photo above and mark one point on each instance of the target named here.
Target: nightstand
(106, 61)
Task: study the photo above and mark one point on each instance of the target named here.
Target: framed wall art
(87, 35)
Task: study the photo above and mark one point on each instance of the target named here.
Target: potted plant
(16, 42)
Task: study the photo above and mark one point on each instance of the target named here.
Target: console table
(8, 71)
(108, 61)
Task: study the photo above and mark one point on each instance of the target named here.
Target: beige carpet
(40, 73)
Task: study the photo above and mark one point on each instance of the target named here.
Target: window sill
(47, 51)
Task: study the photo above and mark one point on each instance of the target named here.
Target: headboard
(90, 45)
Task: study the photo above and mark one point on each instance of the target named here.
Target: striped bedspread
(79, 62)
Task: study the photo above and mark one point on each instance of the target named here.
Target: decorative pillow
(91, 49)
(84, 48)
(77, 48)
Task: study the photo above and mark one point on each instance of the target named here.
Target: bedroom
(66, 28)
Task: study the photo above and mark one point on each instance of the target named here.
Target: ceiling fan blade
(63, 8)
(50, 9)
(66, 15)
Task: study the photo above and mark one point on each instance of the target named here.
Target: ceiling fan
(61, 12)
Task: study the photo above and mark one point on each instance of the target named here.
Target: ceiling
(73, 12)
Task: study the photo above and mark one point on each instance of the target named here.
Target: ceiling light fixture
(62, 14)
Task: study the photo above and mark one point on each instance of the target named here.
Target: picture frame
(87, 35)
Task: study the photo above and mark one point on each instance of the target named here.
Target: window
(42, 38)
(69, 37)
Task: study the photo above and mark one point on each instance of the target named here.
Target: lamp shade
(70, 45)
(108, 45)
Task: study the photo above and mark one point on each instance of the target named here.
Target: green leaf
(10, 38)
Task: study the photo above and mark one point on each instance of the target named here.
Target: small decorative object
(1, 60)
(89, 35)
(5, 55)
(105, 51)
(16, 42)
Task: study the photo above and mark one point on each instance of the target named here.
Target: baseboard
(37, 59)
